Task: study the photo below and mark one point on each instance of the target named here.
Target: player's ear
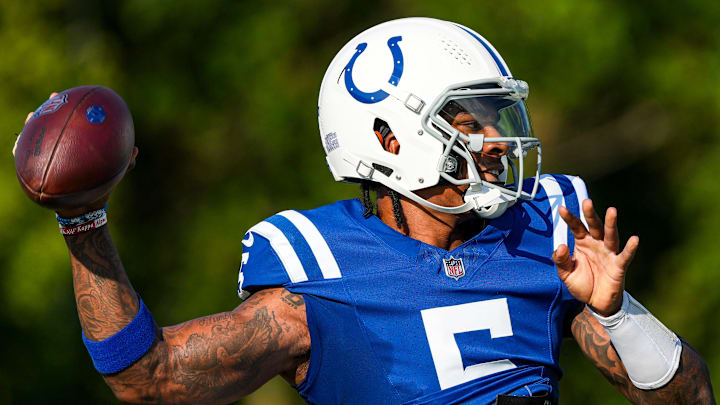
(385, 136)
(392, 145)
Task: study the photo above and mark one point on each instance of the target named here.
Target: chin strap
(494, 211)
(488, 202)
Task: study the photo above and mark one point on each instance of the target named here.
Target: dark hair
(397, 208)
(366, 187)
(365, 198)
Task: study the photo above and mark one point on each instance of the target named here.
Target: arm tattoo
(217, 358)
(197, 363)
(690, 385)
(105, 298)
(294, 300)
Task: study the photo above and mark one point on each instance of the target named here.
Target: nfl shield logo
(454, 268)
(50, 106)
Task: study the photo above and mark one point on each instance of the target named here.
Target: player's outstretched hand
(595, 274)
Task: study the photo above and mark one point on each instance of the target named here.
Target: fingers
(612, 239)
(30, 114)
(27, 118)
(564, 263)
(133, 157)
(626, 256)
(595, 224)
(576, 226)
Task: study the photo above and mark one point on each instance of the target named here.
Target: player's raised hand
(74, 149)
(595, 274)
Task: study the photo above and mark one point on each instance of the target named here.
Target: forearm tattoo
(212, 359)
(690, 385)
(105, 299)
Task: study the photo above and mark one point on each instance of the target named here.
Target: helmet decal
(379, 95)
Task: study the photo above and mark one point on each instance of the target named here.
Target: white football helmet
(415, 74)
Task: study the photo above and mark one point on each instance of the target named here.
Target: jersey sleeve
(263, 265)
(283, 251)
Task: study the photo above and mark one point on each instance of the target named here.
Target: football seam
(57, 195)
(43, 197)
(62, 132)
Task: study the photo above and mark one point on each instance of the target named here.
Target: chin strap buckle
(364, 170)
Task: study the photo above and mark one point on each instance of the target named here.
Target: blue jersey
(394, 320)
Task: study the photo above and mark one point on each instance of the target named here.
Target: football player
(456, 284)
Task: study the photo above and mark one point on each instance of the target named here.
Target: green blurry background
(625, 94)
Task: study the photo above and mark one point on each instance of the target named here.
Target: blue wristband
(122, 349)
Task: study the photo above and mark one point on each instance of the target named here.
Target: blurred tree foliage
(626, 94)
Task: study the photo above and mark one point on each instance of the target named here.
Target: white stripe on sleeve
(556, 200)
(318, 245)
(284, 250)
(581, 194)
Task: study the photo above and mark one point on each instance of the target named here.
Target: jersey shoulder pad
(285, 249)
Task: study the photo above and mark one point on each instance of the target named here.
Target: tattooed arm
(690, 385)
(595, 275)
(215, 359)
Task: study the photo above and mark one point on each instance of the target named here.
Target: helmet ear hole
(385, 136)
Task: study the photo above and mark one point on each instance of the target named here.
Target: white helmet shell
(403, 72)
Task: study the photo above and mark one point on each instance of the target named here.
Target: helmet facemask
(466, 119)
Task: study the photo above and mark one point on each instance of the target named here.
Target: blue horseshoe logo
(380, 95)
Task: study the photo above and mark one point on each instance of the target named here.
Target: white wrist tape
(649, 350)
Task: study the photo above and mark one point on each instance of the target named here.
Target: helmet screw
(421, 180)
(420, 131)
(398, 177)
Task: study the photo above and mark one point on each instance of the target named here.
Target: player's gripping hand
(79, 146)
(595, 274)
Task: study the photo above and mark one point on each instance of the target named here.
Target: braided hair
(367, 202)
(365, 198)
(397, 209)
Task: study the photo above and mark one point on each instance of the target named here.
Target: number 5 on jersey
(441, 325)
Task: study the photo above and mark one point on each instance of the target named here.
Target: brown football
(76, 146)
